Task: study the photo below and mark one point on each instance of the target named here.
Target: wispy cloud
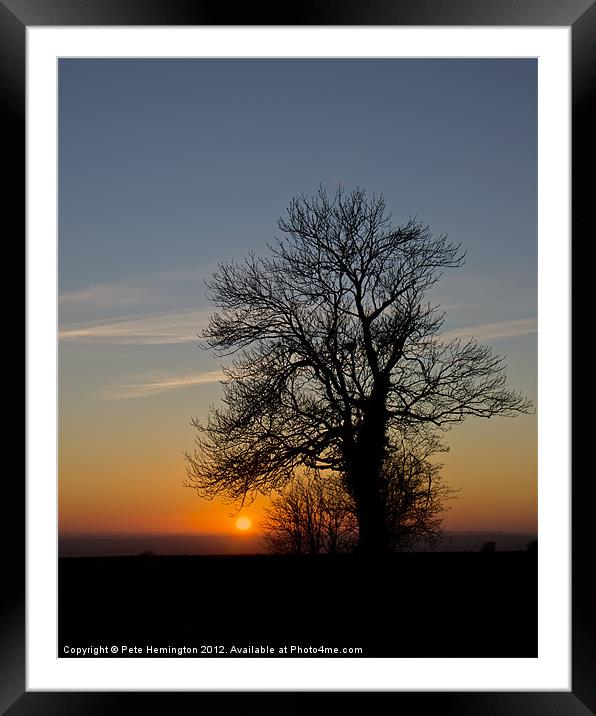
(148, 329)
(492, 331)
(184, 327)
(105, 295)
(148, 289)
(159, 383)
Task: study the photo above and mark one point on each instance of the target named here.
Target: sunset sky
(167, 167)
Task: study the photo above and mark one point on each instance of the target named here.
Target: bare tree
(337, 353)
(414, 493)
(311, 515)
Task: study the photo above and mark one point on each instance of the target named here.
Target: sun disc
(243, 523)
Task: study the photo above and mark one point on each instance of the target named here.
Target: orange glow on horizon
(114, 479)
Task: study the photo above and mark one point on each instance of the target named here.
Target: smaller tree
(414, 492)
(311, 516)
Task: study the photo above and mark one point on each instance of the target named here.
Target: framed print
(320, 381)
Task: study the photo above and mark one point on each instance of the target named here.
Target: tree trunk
(372, 532)
(364, 475)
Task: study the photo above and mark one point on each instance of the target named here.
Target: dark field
(466, 604)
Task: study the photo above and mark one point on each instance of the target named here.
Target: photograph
(298, 354)
(297, 357)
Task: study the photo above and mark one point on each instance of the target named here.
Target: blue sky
(171, 164)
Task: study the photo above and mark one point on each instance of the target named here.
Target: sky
(167, 167)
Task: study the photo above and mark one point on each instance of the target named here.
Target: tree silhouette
(311, 515)
(316, 514)
(414, 493)
(337, 354)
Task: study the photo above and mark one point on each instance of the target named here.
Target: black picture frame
(580, 15)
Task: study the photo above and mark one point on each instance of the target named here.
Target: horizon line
(244, 535)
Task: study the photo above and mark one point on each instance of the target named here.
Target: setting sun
(243, 523)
